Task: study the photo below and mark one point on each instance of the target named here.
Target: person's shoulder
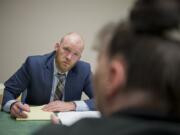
(79, 128)
(51, 129)
(40, 58)
(43, 56)
(83, 64)
(95, 126)
(82, 67)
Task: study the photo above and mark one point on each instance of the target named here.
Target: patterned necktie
(60, 86)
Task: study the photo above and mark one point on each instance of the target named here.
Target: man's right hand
(18, 110)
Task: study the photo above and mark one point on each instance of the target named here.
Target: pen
(20, 109)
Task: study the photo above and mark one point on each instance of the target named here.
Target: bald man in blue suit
(38, 75)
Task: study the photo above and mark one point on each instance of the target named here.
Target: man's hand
(59, 106)
(54, 119)
(17, 110)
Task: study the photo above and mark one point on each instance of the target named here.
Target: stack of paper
(66, 118)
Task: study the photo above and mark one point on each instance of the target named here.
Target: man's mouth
(66, 63)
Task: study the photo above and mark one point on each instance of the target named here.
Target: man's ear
(56, 46)
(117, 77)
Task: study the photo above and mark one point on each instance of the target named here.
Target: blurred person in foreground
(137, 87)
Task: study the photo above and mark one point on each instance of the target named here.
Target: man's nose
(69, 56)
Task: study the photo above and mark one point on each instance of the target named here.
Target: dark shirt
(127, 122)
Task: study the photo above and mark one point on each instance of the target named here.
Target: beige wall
(30, 27)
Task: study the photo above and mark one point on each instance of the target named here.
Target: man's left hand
(59, 106)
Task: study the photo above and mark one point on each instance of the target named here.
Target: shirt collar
(56, 70)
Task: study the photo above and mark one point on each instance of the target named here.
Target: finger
(26, 108)
(45, 107)
(48, 106)
(19, 104)
(53, 107)
(57, 108)
(23, 114)
(23, 107)
(12, 113)
(14, 106)
(49, 109)
(20, 114)
(17, 114)
(54, 119)
(19, 110)
(14, 110)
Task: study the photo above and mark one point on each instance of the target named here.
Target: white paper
(68, 118)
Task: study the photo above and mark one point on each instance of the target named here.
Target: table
(9, 126)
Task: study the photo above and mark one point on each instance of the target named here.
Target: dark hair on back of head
(152, 61)
(155, 16)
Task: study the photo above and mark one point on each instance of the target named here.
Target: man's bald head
(74, 38)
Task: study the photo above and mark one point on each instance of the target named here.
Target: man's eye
(76, 54)
(66, 49)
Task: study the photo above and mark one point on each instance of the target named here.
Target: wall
(31, 27)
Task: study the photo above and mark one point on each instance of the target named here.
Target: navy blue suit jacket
(36, 75)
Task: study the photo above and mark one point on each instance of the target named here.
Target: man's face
(100, 80)
(67, 55)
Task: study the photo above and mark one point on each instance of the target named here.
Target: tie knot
(61, 77)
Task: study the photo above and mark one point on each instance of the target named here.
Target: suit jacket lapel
(48, 76)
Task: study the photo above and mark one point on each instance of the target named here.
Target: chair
(1, 92)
